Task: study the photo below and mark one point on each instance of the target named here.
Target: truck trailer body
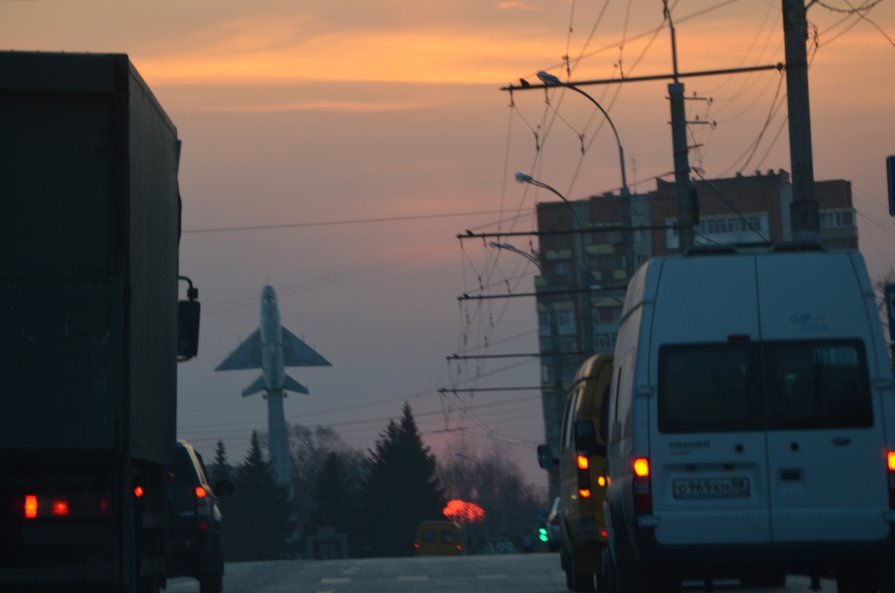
(88, 334)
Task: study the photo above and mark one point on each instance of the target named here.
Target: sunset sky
(297, 113)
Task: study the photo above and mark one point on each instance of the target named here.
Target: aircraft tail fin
(257, 386)
(290, 384)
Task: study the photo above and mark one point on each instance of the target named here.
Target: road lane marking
(414, 579)
(335, 581)
(492, 576)
(327, 591)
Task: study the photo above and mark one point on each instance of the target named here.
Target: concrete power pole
(805, 220)
(680, 148)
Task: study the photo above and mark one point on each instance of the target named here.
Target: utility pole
(680, 149)
(804, 217)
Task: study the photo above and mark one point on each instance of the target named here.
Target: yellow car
(439, 538)
(582, 475)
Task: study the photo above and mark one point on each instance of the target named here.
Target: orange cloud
(347, 106)
(260, 51)
(515, 5)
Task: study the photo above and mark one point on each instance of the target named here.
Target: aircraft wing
(246, 356)
(298, 354)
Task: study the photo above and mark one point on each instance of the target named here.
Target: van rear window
(817, 385)
(756, 385)
(708, 388)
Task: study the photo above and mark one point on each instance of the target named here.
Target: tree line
(376, 498)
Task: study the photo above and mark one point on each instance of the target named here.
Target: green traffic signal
(542, 534)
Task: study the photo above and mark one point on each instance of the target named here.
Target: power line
(321, 223)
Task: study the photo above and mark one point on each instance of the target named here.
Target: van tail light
(643, 495)
(890, 464)
(59, 507)
(30, 506)
(203, 507)
(138, 491)
(583, 476)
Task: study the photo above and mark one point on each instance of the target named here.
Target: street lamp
(551, 407)
(512, 248)
(551, 80)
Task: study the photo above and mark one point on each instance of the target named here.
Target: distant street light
(512, 248)
(582, 283)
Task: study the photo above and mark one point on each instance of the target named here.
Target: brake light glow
(584, 493)
(31, 506)
(60, 507)
(139, 492)
(641, 467)
(583, 462)
(200, 492)
(642, 488)
(890, 461)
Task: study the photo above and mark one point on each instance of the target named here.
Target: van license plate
(702, 488)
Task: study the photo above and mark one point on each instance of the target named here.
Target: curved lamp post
(551, 80)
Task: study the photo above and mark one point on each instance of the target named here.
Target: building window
(562, 268)
(835, 219)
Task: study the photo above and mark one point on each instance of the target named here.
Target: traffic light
(542, 534)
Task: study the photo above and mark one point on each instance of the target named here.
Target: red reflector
(459, 548)
(200, 492)
(583, 462)
(584, 493)
(139, 492)
(641, 467)
(60, 507)
(30, 506)
(603, 534)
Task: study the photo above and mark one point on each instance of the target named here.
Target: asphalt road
(515, 573)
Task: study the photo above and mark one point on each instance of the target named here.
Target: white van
(751, 426)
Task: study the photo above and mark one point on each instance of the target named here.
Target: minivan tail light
(583, 463)
(30, 506)
(200, 492)
(643, 495)
(890, 462)
(59, 507)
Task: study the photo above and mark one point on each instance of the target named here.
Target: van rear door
(707, 442)
(826, 465)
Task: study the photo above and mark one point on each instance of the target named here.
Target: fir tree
(401, 489)
(221, 468)
(259, 519)
(333, 495)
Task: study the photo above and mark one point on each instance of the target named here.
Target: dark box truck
(88, 323)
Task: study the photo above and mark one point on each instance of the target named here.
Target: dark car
(195, 548)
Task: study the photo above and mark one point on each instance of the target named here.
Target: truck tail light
(643, 495)
(200, 492)
(138, 491)
(30, 506)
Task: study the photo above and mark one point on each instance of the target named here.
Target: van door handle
(841, 441)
